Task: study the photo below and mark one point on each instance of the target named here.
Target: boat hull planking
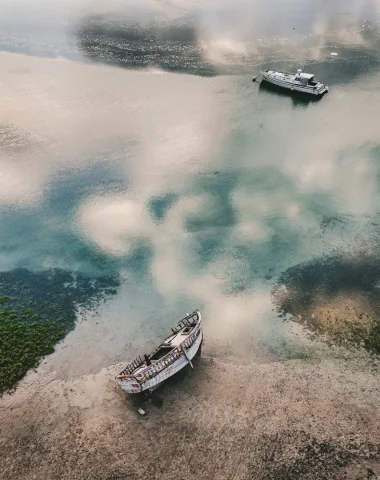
(138, 376)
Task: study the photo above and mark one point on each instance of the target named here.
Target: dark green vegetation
(337, 297)
(36, 311)
(23, 343)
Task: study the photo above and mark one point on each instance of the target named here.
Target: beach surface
(291, 419)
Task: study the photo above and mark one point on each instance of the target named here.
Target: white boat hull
(150, 376)
(286, 84)
(156, 381)
(169, 371)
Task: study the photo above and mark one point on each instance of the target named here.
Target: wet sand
(281, 420)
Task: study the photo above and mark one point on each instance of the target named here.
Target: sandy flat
(281, 420)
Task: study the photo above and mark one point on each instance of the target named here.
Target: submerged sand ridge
(281, 420)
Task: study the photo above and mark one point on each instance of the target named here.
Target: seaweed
(37, 310)
(23, 344)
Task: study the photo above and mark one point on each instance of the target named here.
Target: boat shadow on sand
(299, 99)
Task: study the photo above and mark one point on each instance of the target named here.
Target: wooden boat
(300, 82)
(174, 353)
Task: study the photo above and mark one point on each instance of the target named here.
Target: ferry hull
(294, 88)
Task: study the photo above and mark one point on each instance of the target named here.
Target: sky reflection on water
(198, 190)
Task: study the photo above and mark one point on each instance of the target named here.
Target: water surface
(133, 142)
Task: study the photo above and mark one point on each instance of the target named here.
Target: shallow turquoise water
(133, 141)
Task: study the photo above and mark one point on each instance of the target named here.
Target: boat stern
(321, 89)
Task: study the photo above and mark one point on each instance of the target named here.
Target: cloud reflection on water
(247, 178)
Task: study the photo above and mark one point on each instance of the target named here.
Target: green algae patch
(37, 310)
(23, 344)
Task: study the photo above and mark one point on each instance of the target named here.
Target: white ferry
(300, 82)
(174, 353)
